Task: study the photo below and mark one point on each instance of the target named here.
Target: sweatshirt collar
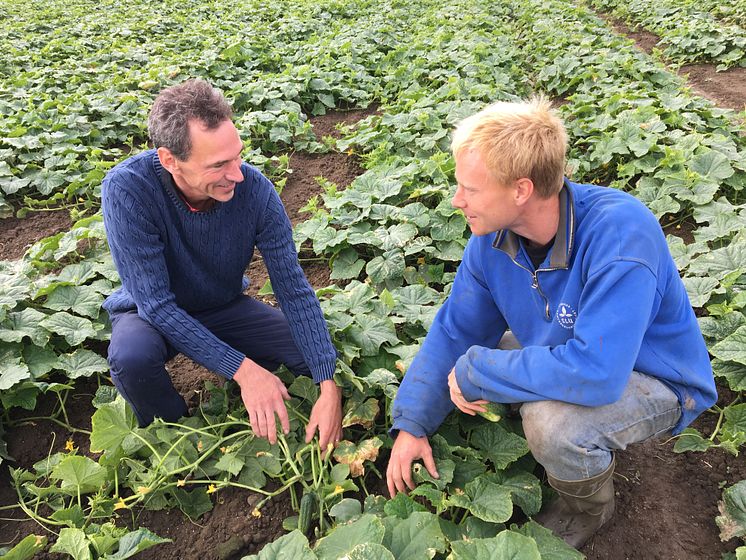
(561, 251)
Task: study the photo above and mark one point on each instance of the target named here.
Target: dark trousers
(138, 353)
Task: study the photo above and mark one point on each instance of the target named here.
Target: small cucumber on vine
(308, 505)
(493, 411)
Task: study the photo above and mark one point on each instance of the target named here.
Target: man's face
(487, 204)
(214, 165)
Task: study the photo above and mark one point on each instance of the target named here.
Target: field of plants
(347, 105)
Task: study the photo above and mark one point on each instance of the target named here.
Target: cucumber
(308, 505)
(493, 411)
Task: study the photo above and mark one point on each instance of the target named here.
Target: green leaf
(74, 329)
(27, 548)
(13, 288)
(498, 445)
(348, 509)
(194, 503)
(338, 543)
(135, 542)
(735, 418)
(732, 518)
(73, 542)
(229, 462)
(293, 546)
(713, 165)
(372, 333)
(691, 440)
(388, 266)
(26, 323)
(305, 389)
(72, 516)
(82, 363)
(732, 348)
(111, 424)
(10, 374)
(346, 265)
(80, 474)
(486, 500)
(396, 236)
(39, 360)
(550, 546)
(733, 372)
(508, 545)
(718, 328)
(447, 229)
(402, 506)
(445, 469)
(370, 551)
(720, 262)
(82, 300)
(699, 289)
(417, 537)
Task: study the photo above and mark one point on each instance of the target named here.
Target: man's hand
(264, 395)
(406, 449)
(326, 415)
(470, 408)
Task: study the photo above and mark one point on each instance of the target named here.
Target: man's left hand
(467, 407)
(326, 415)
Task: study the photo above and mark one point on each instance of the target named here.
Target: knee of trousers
(137, 358)
(554, 432)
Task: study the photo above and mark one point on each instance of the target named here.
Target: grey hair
(168, 122)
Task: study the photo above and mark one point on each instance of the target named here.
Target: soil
(666, 502)
(18, 234)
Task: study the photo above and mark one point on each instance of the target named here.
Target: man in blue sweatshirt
(182, 221)
(604, 349)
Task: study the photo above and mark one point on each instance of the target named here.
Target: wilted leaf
(355, 455)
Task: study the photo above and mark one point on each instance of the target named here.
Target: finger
(271, 426)
(311, 429)
(261, 424)
(254, 422)
(407, 475)
(390, 481)
(284, 391)
(282, 413)
(430, 465)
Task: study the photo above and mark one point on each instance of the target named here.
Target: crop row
(689, 31)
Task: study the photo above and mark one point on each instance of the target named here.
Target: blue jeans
(138, 353)
(574, 442)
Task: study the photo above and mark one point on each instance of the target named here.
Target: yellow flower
(199, 445)
(223, 449)
(120, 504)
(212, 488)
(69, 445)
(181, 482)
(142, 490)
(256, 513)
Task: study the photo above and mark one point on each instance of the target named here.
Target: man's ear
(524, 188)
(168, 160)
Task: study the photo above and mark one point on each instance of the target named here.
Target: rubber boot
(582, 507)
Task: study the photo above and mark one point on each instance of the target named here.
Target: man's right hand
(264, 395)
(408, 448)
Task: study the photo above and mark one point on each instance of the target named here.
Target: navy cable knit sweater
(174, 262)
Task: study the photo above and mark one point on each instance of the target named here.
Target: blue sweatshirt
(174, 262)
(607, 300)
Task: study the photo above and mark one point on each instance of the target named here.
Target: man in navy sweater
(182, 221)
(604, 349)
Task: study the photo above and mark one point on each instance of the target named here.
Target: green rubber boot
(582, 507)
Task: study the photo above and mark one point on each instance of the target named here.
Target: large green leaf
(74, 542)
(26, 323)
(372, 333)
(347, 265)
(507, 545)
(720, 262)
(734, 372)
(13, 288)
(486, 500)
(80, 474)
(370, 551)
(293, 546)
(339, 542)
(27, 548)
(712, 164)
(82, 300)
(135, 542)
(499, 445)
(732, 348)
(699, 289)
(388, 266)
(111, 424)
(74, 329)
(418, 537)
(82, 363)
(550, 546)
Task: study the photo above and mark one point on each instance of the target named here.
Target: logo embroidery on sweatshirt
(566, 315)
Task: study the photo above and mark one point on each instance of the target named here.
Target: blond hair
(518, 140)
